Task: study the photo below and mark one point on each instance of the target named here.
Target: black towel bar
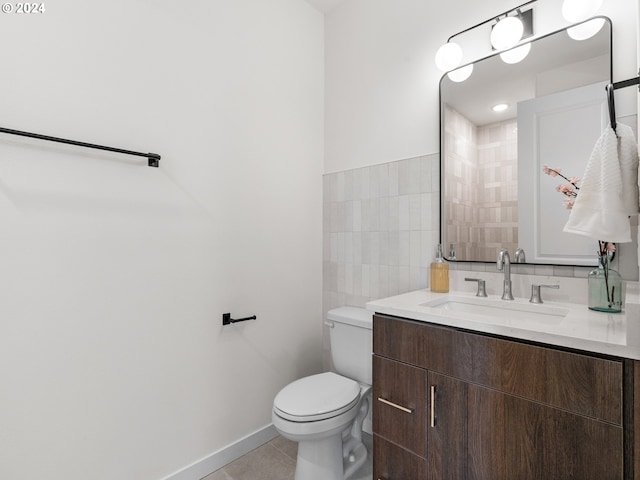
(153, 158)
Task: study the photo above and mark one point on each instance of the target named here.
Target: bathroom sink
(499, 311)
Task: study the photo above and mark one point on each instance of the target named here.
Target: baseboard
(222, 457)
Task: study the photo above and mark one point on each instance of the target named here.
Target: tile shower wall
(380, 230)
(481, 188)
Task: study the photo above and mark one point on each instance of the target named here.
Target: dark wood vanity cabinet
(452, 404)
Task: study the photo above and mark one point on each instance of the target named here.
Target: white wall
(382, 83)
(114, 275)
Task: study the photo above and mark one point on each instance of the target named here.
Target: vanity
(503, 388)
(543, 391)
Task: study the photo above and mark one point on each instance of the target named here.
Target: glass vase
(605, 288)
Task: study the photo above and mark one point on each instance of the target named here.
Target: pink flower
(550, 171)
(565, 189)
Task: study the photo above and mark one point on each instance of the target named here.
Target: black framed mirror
(494, 193)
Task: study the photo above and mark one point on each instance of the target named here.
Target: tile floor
(276, 460)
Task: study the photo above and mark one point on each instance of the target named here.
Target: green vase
(605, 288)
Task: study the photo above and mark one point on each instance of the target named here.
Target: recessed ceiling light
(501, 107)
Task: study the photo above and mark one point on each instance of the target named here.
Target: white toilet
(324, 413)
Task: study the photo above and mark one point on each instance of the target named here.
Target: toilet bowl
(324, 413)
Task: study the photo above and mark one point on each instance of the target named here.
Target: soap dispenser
(439, 273)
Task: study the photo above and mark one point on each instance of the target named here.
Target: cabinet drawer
(399, 403)
(581, 384)
(390, 462)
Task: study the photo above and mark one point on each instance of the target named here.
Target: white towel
(608, 194)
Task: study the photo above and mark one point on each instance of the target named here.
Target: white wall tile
(348, 216)
(415, 167)
(348, 247)
(403, 177)
(374, 182)
(366, 247)
(383, 246)
(374, 281)
(340, 247)
(366, 280)
(394, 248)
(404, 245)
(339, 187)
(357, 248)
(403, 212)
(415, 216)
(333, 247)
(383, 214)
(403, 279)
(393, 284)
(393, 179)
(383, 176)
(357, 215)
(426, 210)
(348, 185)
(415, 248)
(394, 214)
(426, 171)
(374, 214)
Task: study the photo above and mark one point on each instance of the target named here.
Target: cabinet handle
(433, 407)
(395, 405)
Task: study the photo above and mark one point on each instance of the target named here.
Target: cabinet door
(399, 403)
(513, 438)
(391, 462)
(446, 429)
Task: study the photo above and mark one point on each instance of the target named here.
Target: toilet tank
(351, 337)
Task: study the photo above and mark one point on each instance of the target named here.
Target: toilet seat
(317, 397)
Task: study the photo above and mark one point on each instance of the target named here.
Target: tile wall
(380, 230)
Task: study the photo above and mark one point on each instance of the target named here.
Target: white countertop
(616, 334)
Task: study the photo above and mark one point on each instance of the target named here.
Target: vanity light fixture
(507, 33)
(586, 30)
(575, 11)
(448, 56)
(511, 27)
(461, 74)
(517, 54)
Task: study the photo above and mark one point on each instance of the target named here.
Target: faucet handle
(535, 292)
(482, 290)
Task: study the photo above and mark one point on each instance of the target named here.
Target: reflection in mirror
(553, 109)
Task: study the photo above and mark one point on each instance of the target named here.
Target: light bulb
(448, 56)
(586, 30)
(517, 54)
(507, 33)
(461, 74)
(578, 10)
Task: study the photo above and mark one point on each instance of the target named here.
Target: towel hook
(612, 106)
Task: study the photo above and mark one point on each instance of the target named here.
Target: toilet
(324, 413)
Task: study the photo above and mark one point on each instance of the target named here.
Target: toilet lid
(317, 397)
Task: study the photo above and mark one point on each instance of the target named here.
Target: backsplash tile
(380, 230)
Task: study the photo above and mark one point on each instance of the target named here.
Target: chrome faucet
(504, 262)
(520, 256)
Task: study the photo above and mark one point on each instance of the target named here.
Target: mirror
(494, 193)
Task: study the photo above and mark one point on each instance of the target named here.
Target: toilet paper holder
(227, 320)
